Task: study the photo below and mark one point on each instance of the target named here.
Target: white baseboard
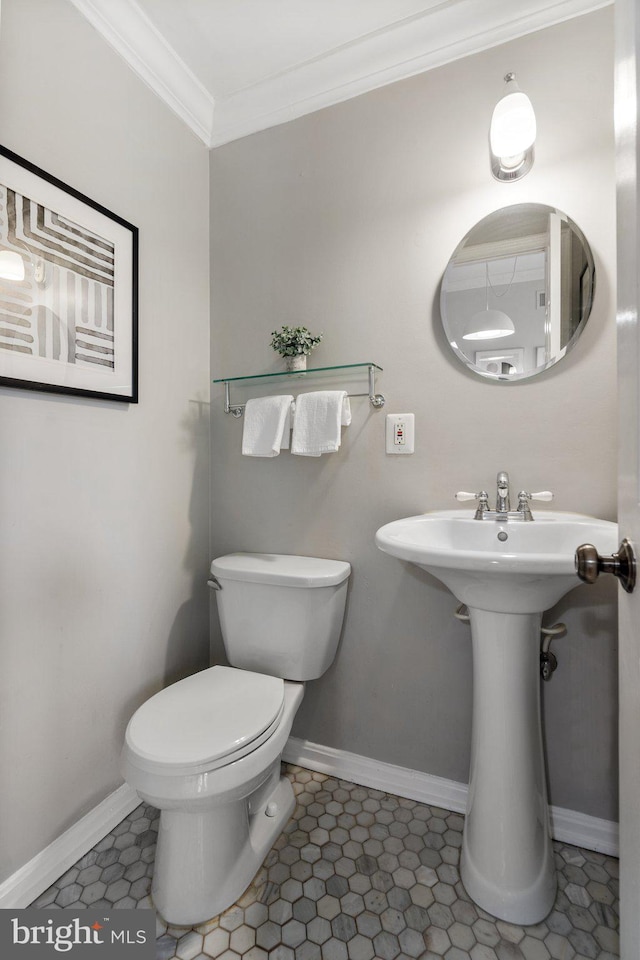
(568, 826)
(571, 826)
(27, 883)
(400, 781)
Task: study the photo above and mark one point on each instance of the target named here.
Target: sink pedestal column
(507, 863)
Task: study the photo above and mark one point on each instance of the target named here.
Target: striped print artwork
(63, 309)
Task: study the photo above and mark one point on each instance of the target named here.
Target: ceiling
(229, 68)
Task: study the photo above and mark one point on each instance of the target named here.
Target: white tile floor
(357, 875)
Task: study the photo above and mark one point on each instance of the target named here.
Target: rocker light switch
(400, 433)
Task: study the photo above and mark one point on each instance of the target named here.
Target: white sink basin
(506, 567)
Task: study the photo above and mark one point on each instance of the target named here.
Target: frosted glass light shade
(513, 125)
(11, 265)
(512, 134)
(488, 325)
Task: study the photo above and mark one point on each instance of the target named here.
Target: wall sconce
(512, 134)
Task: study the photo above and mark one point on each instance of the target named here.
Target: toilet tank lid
(281, 569)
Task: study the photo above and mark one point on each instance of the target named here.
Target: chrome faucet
(503, 509)
(503, 504)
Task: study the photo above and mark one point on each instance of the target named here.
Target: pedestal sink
(507, 573)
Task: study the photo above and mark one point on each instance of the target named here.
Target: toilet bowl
(206, 751)
(222, 803)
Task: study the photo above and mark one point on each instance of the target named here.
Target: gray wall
(344, 221)
(104, 516)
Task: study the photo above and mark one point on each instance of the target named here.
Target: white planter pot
(297, 362)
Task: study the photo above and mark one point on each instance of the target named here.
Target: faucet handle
(465, 495)
(523, 501)
(544, 495)
(483, 502)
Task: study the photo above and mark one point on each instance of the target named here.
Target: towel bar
(376, 400)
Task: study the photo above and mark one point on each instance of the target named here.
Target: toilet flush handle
(214, 583)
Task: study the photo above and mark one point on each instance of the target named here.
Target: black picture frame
(69, 313)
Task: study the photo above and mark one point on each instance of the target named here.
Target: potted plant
(294, 344)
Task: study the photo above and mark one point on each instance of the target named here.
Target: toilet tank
(280, 615)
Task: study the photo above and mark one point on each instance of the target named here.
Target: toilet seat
(205, 721)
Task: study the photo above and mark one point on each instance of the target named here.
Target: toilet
(206, 751)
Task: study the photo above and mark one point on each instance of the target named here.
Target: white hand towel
(317, 422)
(267, 422)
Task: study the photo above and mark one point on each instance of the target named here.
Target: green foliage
(290, 341)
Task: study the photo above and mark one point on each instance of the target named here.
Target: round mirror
(517, 291)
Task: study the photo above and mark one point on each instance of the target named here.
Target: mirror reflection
(517, 291)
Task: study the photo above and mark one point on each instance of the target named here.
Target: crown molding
(441, 33)
(129, 31)
(432, 38)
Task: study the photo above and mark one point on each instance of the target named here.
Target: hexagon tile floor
(357, 875)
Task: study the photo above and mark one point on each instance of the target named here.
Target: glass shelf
(277, 376)
(298, 373)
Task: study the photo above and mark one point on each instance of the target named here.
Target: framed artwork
(68, 288)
